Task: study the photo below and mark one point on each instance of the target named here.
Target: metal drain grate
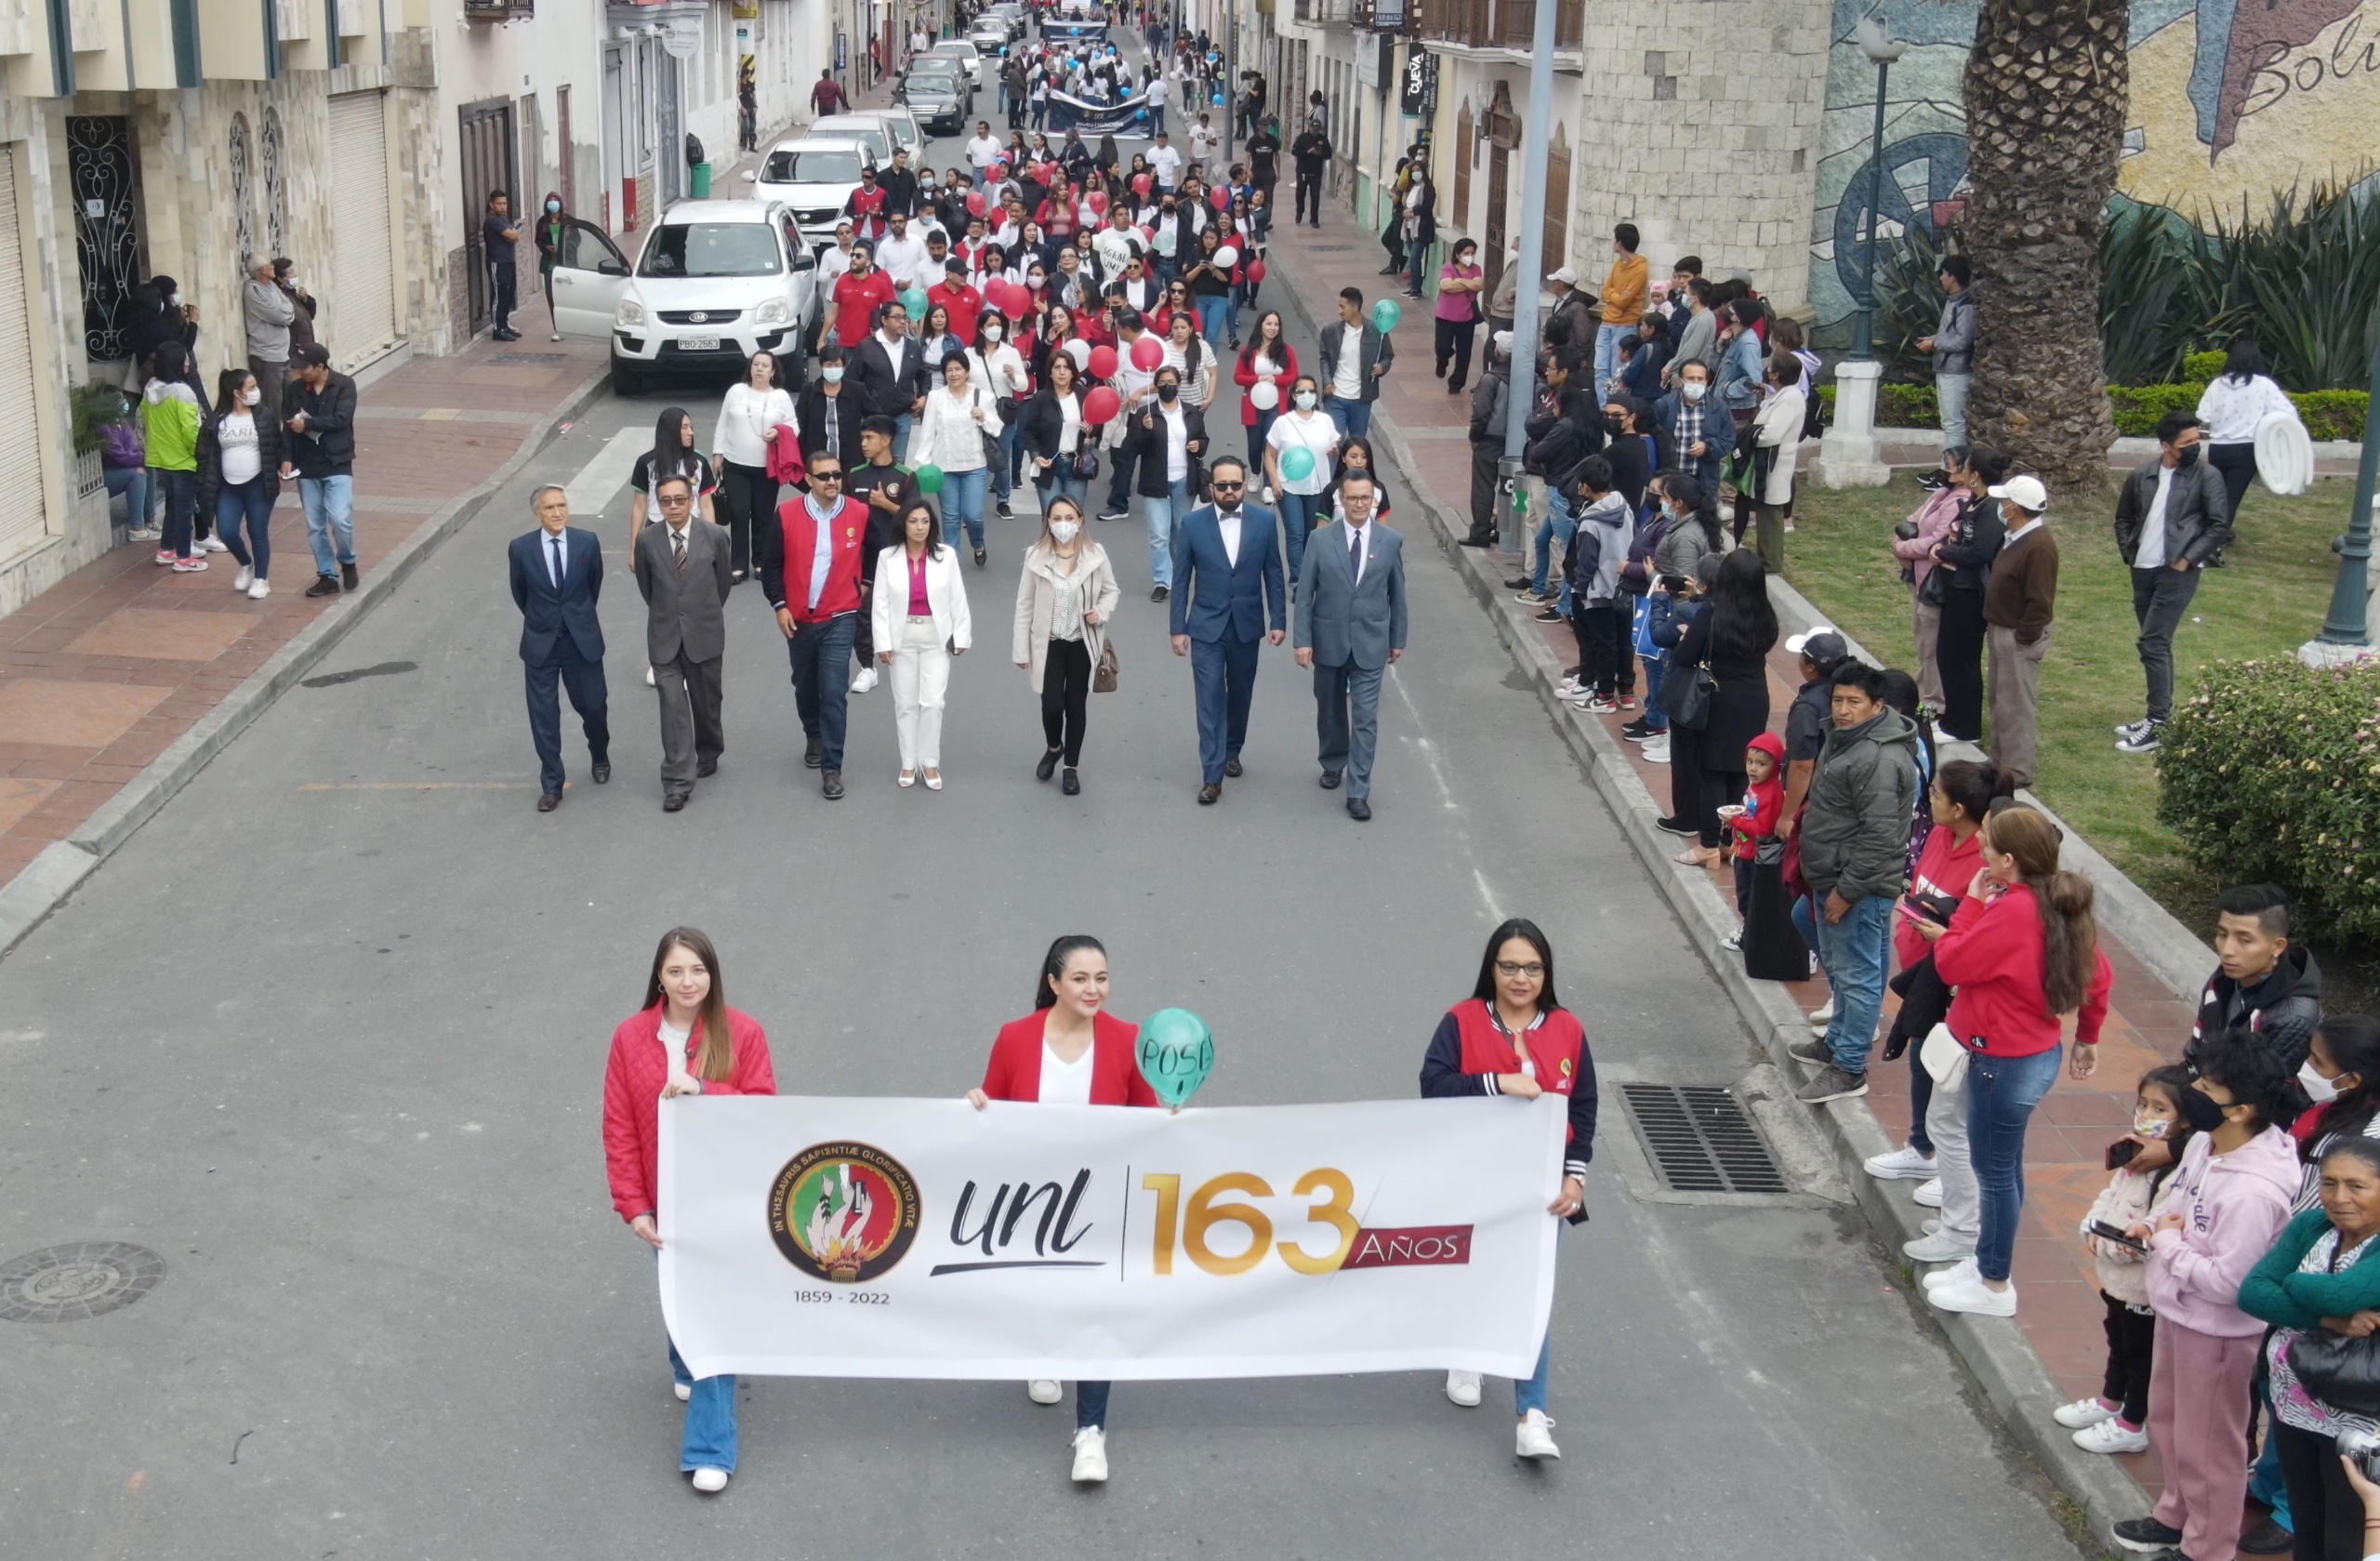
(1699, 1139)
(82, 1279)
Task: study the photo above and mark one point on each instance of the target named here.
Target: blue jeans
(1352, 418)
(1557, 526)
(180, 506)
(236, 502)
(902, 423)
(330, 530)
(1297, 524)
(1654, 720)
(710, 1441)
(1257, 432)
(821, 654)
(139, 493)
(1608, 355)
(1160, 515)
(1091, 1405)
(1050, 485)
(1530, 1394)
(963, 504)
(1214, 318)
(2002, 1092)
(1005, 447)
(1854, 953)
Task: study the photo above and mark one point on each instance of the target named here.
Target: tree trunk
(2046, 87)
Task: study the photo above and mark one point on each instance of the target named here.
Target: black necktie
(561, 568)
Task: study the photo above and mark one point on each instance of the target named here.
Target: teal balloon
(929, 478)
(914, 301)
(1385, 314)
(1176, 1053)
(1297, 463)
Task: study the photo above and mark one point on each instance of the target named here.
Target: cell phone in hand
(1909, 912)
(2106, 1231)
(2121, 1153)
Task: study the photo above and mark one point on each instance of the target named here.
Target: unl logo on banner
(1414, 1246)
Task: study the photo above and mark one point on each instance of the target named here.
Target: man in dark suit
(1351, 626)
(1226, 595)
(557, 575)
(684, 574)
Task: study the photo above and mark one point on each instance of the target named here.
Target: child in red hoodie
(1757, 816)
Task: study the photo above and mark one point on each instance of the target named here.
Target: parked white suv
(717, 280)
(815, 179)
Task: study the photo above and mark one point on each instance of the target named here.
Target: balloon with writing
(1176, 1053)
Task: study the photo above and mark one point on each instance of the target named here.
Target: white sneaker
(213, 544)
(1533, 1438)
(1968, 1294)
(1655, 750)
(244, 578)
(258, 591)
(1090, 1455)
(683, 1390)
(1904, 1164)
(1929, 1227)
(1939, 1247)
(648, 679)
(2081, 1414)
(1927, 1195)
(710, 1482)
(863, 679)
(1822, 1016)
(194, 564)
(141, 534)
(2112, 1435)
(1462, 1389)
(1962, 1269)
(1041, 1390)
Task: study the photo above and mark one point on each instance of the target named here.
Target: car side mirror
(804, 261)
(610, 268)
(750, 177)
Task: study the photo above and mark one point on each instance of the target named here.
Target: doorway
(489, 149)
(104, 175)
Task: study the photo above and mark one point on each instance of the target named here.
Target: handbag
(1086, 465)
(1103, 676)
(1687, 699)
(1006, 407)
(2340, 1373)
(1944, 1059)
(1935, 590)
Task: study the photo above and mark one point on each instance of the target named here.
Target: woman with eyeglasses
(1513, 1037)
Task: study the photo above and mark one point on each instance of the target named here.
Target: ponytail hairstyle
(1053, 965)
(2070, 931)
(715, 1050)
(1703, 506)
(2353, 1041)
(1973, 786)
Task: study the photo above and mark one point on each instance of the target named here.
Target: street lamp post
(1850, 456)
(2347, 629)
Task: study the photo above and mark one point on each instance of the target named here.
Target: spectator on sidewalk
(1966, 555)
(1952, 345)
(1573, 432)
(2017, 608)
(1457, 312)
(1627, 287)
(269, 312)
(318, 409)
(1688, 416)
(1311, 155)
(1777, 440)
(1644, 352)
(301, 324)
(1817, 653)
(1491, 409)
(239, 476)
(1591, 569)
(170, 414)
(1505, 299)
(1731, 637)
(500, 238)
(124, 466)
(1698, 337)
(1743, 370)
(825, 95)
(1855, 858)
(1572, 321)
(1914, 542)
(1351, 379)
(2172, 516)
(2264, 986)
(1678, 310)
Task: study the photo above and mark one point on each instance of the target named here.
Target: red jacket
(632, 1081)
(1943, 872)
(1015, 1071)
(1244, 377)
(1992, 954)
(788, 585)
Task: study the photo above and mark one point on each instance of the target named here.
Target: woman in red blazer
(1069, 1052)
(685, 1040)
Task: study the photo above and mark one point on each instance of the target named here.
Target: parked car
(717, 281)
(936, 91)
(908, 136)
(990, 37)
(962, 51)
(864, 129)
(813, 176)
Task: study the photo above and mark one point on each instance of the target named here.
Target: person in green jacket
(169, 414)
(2314, 1281)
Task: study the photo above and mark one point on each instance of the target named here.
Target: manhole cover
(78, 1280)
(1699, 1139)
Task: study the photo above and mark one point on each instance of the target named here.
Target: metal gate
(489, 149)
(107, 232)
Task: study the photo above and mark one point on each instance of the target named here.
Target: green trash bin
(700, 187)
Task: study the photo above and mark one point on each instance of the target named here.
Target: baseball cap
(1564, 273)
(317, 354)
(955, 266)
(2025, 493)
(1821, 645)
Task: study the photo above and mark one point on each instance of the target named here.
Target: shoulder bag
(2340, 1373)
(1103, 676)
(1687, 699)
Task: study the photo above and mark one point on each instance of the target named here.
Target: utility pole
(1536, 132)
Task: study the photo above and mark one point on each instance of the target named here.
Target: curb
(2011, 1374)
(44, 883)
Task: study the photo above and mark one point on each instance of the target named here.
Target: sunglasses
(1222, 487)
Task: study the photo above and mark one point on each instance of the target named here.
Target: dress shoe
(347, 577)
(2267, 1538)
(811, 755)
(1358, 809)
(603, 771)
(1069, 785)
(1231, 766)
(1048, 767)
(831, 783)
(547, 802)
(1210, 793)
(673, 805)
(706, 769)
(1476, 542)
(1330, 780)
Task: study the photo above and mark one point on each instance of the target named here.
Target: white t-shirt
(904, 259)
(1309, 431)
(983, 151)
(1347, 377)
(1177, 441)
(832, 262)
(1160, 93)
(237, 436)
(1065, 1083)
(1166, 164)
(2152, 553)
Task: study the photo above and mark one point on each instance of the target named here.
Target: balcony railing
(497, 10)
(1500, 24)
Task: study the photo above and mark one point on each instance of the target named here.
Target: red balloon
(1140, 184)
(1100, 405)
(1255, 271)
(1098, 199)
(1147, 353)
(1222, 198)
(1015, 299)
(975, 203)
(1103, 362)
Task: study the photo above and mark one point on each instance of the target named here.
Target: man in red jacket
(809, 571)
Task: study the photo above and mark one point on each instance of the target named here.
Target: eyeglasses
(1506, 967)
(824, 476)
(1222, 487)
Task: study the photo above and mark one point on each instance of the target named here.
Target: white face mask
(2319, 1090)
(251, 396)
(2152, 1128)
(1063, 531)
(1694, 390)
(991, 333)
(1305, 401)
(176, 301)
(832, 374)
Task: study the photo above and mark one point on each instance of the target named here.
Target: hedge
(2327, 414)
(2270, 774)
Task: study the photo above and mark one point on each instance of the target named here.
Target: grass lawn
(2269, 597)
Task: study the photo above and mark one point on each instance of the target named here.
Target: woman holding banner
(1513, 1038)
(685, 1040)
(1069, 1052)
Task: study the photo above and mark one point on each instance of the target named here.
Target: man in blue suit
(557, 575)
(1351, 625)
(1226, 593)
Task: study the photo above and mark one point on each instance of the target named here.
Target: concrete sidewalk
(2054, 1350)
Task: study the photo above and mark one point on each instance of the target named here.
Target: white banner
(835, 1237)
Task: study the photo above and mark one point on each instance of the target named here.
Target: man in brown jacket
(2017, 606)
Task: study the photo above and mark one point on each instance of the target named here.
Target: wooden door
(488, 147)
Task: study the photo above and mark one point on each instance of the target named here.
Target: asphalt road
(328, 1035)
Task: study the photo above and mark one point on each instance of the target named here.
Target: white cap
(1504, 342)
(1564, 273)
(2025, 493)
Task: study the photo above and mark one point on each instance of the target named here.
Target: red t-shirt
(965, 304)
(857, 300)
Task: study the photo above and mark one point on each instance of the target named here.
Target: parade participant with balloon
(1194, 359)
(1265, 366)
(1296, 461)
(1210, 282)
(1069, 1050)
(1356, 355)
(1052, 427)
(1513, 1037)
(956, 441)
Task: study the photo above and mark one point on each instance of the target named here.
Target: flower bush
(2271, 773)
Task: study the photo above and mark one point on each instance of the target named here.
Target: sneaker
(1904, 1164)
(1656, 751)
(1676, 827)
(258, 591)
(1041, 1390)
(1569, 686)
(1518, 583)
(1598, 705)
(1159, 594)
(1090, 1455)
(1534, 1438)
(1462, 1389)
(1927, 1195)
(1529, 596)
(2145, 1535)
(1113, 515)
(863, 679)
(1549, 615)
(2143, 742)
(1962, 1269)
(190, 565)
(1627, 701)
(1822, 1016)
(1929, 1227)
(2081, 1414)
(683, 1390)
(1969, 1294)
(244, 578)
(167, 556)
(1733, 942)
(710, 1482)
(649, 681)
(213, 544)
(1817, 1054)
(347, 577)
(1939, 1247)
(1935, 481)
(142, 534)
(2133, 728)
(1636, 731)
(1832, 1083)
(979, 556)
(1005, 512)
(328, 584)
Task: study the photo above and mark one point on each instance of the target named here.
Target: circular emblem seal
(843, 1211)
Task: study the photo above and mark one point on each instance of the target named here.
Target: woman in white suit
(920, 622)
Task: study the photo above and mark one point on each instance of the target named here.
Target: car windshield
(834, 165)
(690, 250)
(941, 80)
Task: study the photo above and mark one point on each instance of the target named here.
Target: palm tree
(2046, 87)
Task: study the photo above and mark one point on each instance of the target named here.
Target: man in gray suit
(682, 569)
(1351, 625)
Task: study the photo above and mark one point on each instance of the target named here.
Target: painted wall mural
(2230, 100)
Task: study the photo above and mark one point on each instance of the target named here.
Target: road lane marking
(418, 786)
(607, 472)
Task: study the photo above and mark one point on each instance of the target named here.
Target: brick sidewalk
(2060, 1313)
(99, 674)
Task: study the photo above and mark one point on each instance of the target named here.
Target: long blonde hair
(715, 1056)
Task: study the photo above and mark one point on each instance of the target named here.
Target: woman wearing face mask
(1266, 360)
(239, 476)
(999, 368)
(757, 413)
(957, 432)
(920, 604)
(1065, 598)
(684, 1041)
(1306, 427)
(1194, 359)
(1457, 314)
(552, 225)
